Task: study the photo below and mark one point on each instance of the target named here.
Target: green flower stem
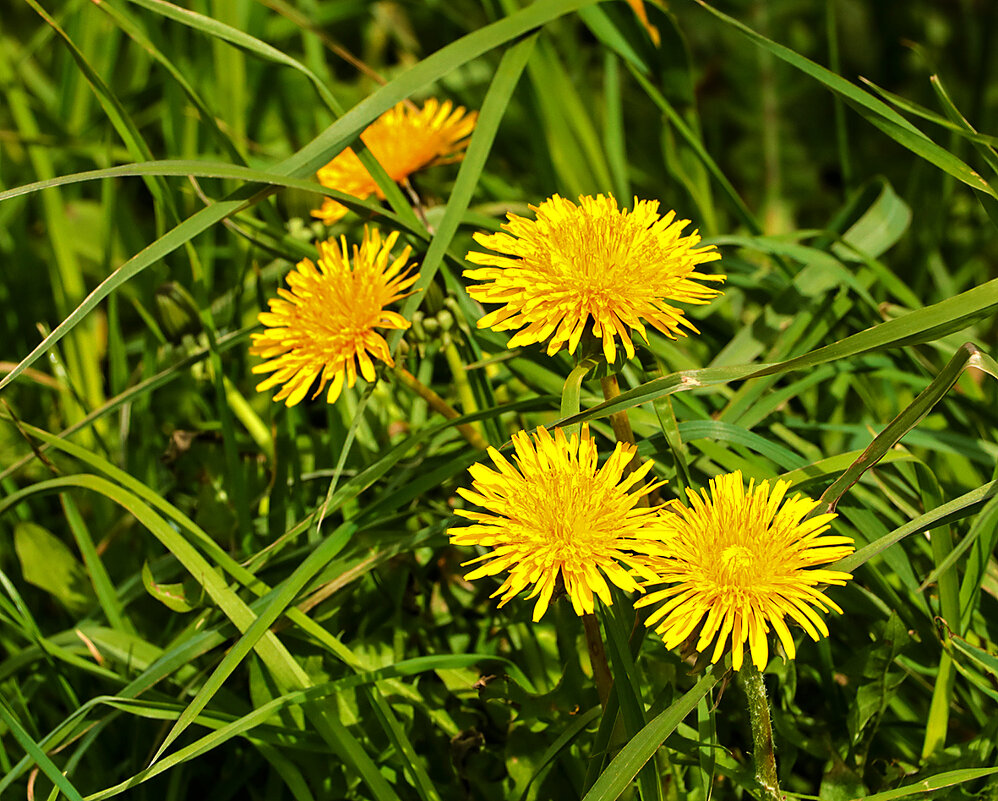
(570, 401)
(461, 382)
(597, 657)
(762, 732)
(621, 424)
(410, 382)
(619, 420)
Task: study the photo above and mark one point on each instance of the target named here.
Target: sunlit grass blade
(307, 160)
(872, 109)
(35, 753)
(642, 747)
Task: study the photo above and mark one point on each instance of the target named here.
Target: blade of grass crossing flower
(316, 153)
(632, 757)
(211, 169)
(222, 32)
(35, 753)
(922, 325)
(872, 109)
(571, 392)
(490, 116)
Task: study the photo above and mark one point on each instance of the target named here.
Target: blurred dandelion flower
(555, 513)
(404, 140)
(739, 563)
(325, 326)
(595, 261)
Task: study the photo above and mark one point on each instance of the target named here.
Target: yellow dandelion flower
(595, 261)
(739, 563)
(403, 140)
(324, 327)
(557, 513)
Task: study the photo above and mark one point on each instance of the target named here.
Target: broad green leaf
(49, 564)
(172, 596)
(880, 227)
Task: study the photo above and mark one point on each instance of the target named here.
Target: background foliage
(174, 621)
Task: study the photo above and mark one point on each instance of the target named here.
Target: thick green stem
(570, 402)
(440, 405)
(619, 420)
(597, 657)
(762, 732)
(621, 425)
(460, 375)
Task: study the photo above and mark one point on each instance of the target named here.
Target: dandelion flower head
(590, 264)
(325, 326)
(553, 512)
(738, 564)
(404, 140)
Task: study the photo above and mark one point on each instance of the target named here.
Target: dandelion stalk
(763, 752)
(438, 404)
(597, 657)
(571, 393)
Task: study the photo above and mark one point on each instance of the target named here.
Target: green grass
(205, 594)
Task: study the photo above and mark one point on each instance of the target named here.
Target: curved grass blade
(874, 110)
(956, 509)
(922, 325)
(34, 752)
(282, 597)
(316, 153)
(284, 668)
(966, 356)
(489, 117)
(937, 782)
(568, 734)
(642, 747)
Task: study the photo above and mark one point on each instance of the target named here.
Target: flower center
(736, 561)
